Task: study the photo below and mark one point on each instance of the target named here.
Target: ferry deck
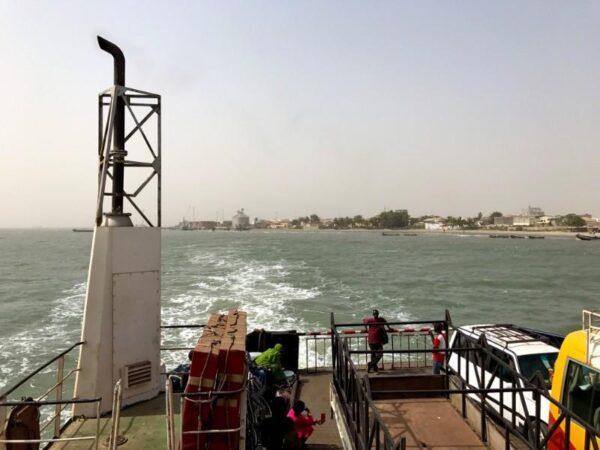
(401, 406)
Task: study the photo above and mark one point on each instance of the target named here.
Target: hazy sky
(290, 108)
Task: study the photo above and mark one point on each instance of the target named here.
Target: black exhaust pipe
(118, 152)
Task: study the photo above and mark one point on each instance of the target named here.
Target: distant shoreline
(558, 234)
(401, 231)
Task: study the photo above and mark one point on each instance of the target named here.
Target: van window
(503, 372)
(541, 362)
(581, 393)
(464, 341)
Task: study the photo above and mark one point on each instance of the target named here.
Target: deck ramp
(428, 423)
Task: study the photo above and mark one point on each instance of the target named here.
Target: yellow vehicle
(576, 384)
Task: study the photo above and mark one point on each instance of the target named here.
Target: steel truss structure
(109, 154)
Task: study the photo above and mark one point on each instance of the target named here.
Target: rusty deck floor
(428, 423)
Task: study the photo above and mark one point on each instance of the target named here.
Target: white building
(240, 221)
(434, 225)
(524, 221)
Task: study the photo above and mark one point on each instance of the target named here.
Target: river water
(288, 280)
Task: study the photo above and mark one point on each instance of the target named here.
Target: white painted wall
(121, 320)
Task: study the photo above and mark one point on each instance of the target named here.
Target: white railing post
(169, 415)
(97, 440)
(116, 417)
(3, 418)
(60, 369)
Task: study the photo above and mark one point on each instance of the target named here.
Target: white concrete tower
(121, 320)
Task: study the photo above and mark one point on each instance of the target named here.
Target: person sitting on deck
(270, 360)
(182, 373)
(376, 338)
(439, 343)
(303, 422)
(276, 430)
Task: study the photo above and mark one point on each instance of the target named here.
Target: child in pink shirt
(303, 424)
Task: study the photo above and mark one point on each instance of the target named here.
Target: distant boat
(587, 237)
(83, 230)
(499, 236)
(383, 233)
(516, 236)
(536, 237)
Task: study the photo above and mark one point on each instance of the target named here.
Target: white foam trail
(43, 340)
(263, 290)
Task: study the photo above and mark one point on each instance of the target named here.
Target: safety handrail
(357, 403)
(481, 354)
(57, 388)
(20, 383)
(95, 437)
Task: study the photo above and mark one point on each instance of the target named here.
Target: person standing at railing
(376, 338)
(438, 338)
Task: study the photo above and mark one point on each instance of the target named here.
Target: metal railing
(366, 426)
(52, 416)
(198, 398)
(315, 352)
(491, 401)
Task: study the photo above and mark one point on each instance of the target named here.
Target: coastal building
(277, 224)
(523, 221)
(506, 221)
(197, 225)
(240, 221)
(514, 221)
(592, 223)
(434, 226)
(547, 221)
(434, 223)
(311, 225)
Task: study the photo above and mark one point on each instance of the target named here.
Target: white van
(524, 351)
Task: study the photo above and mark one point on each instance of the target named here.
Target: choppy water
(295, 279)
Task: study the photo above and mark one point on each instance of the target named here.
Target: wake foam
(27, 349)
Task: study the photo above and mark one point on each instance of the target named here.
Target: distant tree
(394, 219)
(314, 218)
(495, 214)
(454, 222)
(373, 222)
(479, 215)
(572, 220)
(342, 222)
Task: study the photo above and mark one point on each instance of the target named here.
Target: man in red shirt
(439, 343)
(376, 337)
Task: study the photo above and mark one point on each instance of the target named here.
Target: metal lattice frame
(132, 98)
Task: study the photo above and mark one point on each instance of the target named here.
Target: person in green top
(270, 360)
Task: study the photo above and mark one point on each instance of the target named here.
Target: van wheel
(530, 430)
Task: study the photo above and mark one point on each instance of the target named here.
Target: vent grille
(138, 373)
